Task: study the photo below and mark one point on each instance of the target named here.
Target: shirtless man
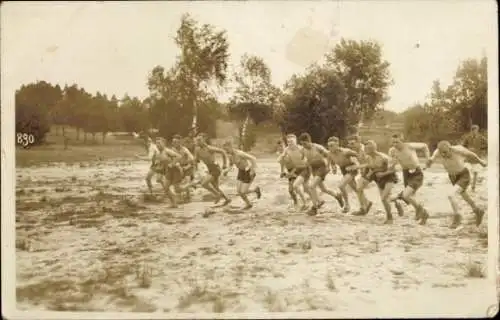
(206, 154)
(286, 166)
(454, 158)
(475, 142)
(153, 153)
(347, 161)
(170, 165)
(317, 159)
(354, 143)
(187, 165)
(405, 154)
(296, 156)
(246, 165)
(376, 169)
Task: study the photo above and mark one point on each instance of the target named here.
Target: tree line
(329, 98)
(451, 111)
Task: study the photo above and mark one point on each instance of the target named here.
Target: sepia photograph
(249, 159)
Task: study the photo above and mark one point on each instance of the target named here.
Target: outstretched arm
(248, 157)
(469, 155)
(432, 158)
(420, 146)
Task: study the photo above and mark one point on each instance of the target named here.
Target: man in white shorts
(476, 143)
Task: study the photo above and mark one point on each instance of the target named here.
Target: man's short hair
(291, 135)
(398, 136)
(474, 127)
(333, 139)
(177, 136)
(354, 137)
(306, 137)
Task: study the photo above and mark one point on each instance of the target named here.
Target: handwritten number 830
(25, 139)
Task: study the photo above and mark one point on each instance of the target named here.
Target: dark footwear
(418, 213)
(313, 211)
(368, 207)
(457, 220)
(388, 220)
(320, 203)
(423, 217)
(479, 216)
(346, 209)
(258, 192)
(340, 200)
(399, 208)
(360, 212)
(247, 207)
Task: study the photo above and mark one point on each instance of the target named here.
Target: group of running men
(306, 164)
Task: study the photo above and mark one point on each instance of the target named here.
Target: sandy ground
(88, 241)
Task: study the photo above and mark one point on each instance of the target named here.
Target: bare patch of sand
(87, 241)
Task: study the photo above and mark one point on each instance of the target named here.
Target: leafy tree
(365, 75)
(315, 103)
(254, 97)
(34, 105)
(179, 94)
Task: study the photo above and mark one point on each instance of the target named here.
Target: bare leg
(346, 179)
(169, 193)
(149, 177)
(292, 193)
(384, 196)
(299, 181)
(243, 190)
(409, 196)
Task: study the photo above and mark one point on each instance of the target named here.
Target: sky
(112, 46)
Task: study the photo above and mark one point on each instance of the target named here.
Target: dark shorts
(157, 168)
(344, 171)
(367, 174)
(303, 172)
(174, 175)
(381, 182)
(319, 170)
(245, 176)
(413, 179)
(214, 170)
(462, 179)
(188, 172)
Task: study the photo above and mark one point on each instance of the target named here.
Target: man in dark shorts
(187, 165)
(453, 159)
(287, 171)
(354, 143)
(377, 165)
(405, 154)
(246, 164)
(347, 161)
(317, 159)
(295, 154)
(206, 154)
(169, 165)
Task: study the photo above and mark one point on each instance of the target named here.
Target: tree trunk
(84, 137)
(103, 137)
(78, 134)
(57, 130)
(64, 131)
(93, 136)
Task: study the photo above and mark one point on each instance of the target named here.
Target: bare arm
(172, 153)
(468, 155)
(248, 157)
(420, 146)
(432, 158)
(222, 153)
(189, 155)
